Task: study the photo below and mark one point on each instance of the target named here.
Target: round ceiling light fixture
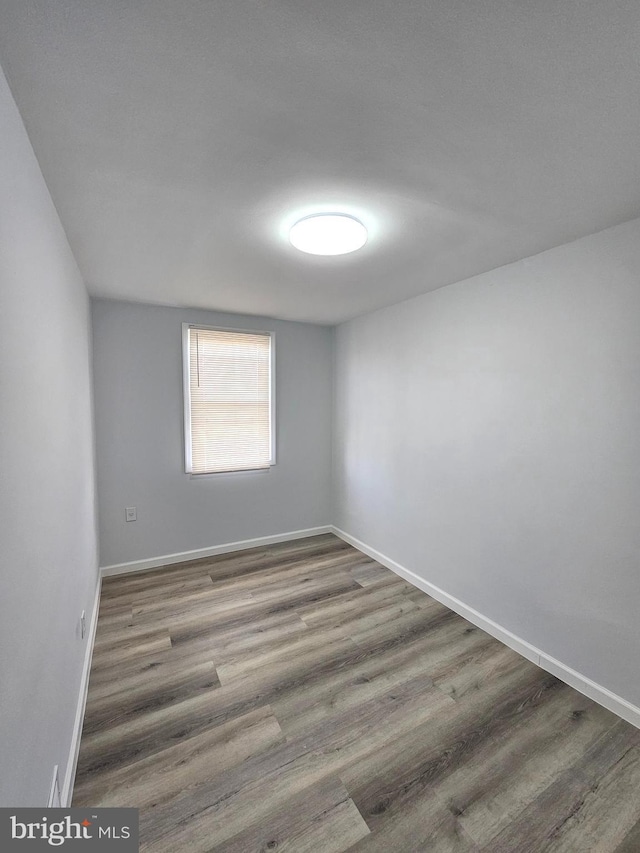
(328, 234)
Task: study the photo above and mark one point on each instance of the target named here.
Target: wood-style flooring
(301, 697)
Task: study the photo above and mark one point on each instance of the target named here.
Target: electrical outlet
(83, 624)
(130, 513)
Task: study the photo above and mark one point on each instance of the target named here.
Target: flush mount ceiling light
(328, 234)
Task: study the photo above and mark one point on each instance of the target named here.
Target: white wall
(487, 437)
(140, 448)
(48, 552)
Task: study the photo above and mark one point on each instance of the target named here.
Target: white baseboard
(67, 788)
(601, 695)
(186, 556)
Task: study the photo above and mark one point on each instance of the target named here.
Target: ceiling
(180, 138)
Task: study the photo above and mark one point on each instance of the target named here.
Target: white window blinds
(228, 417)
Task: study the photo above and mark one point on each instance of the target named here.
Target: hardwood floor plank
(237, 638)
(543, 823)
(329, 590)
(420, 787)
(129, 648)
(107, 677)
(155, 692)
(302, 652)
(196, 760)
(264, 784)
(631, 841)
(125, 742)
(126, 636)
(322, 818)
(368, 572)
(301, 697)
(370, 671)
(524, 762)
(474, 666)
(164, 584)
(606, 797)
(250, 562)
(377, 613)
(421, 828)
(280, 551)
(110, 621)
(129, 741)
(351, 601)
(206, 604)
(159, 669)
(279, 577)
(385, 781)
(451, 762)
(405, 627)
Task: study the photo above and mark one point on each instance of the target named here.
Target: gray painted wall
(140, 450)
(48, 552)
(487, 437)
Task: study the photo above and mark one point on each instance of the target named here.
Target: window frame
(186, 387)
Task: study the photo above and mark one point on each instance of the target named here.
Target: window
(228, 396)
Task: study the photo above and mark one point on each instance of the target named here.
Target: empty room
(320, 425)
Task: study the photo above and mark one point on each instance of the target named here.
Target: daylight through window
(228, 400)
